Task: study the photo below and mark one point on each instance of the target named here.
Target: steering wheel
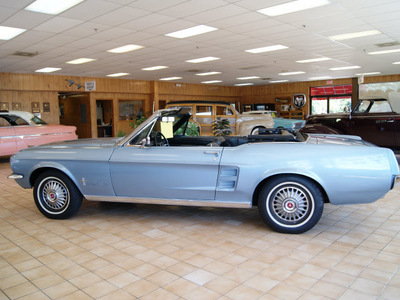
(160, 140)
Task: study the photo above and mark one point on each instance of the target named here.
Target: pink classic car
(21, 129)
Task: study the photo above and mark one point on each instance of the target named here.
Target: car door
(8, 143)
(188, 173)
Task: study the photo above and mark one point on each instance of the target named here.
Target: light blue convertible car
(288, 175)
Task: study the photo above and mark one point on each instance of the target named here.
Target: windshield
(373, 106)
(38, 121)
(165, 126)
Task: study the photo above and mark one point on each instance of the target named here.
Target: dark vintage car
(372, 119)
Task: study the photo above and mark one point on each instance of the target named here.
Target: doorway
(75, 111)
(104, 113)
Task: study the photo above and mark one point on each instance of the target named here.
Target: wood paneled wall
(28, 88)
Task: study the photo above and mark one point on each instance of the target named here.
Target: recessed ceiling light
(291, 7)
(126, 48)
(117, 74)
(154, 68)
(291, 73)
(266, 49)
(278, 81)
(345, 68)
(192, 31)
(384, 52)
(170, 78)
(208, 73)
(369, 73)
(80, 61)
(48, 70)
(248, 77)
(244, 84)
(211, 81)
(396, 63)
(7, 33)
(313, 60)
(202, 59)
(51, 7)
(353, 35)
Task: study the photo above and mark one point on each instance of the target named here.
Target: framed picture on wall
(35, 107)
(4, 106)
(16, 106)
(46, 106)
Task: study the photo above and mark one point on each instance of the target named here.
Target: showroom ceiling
(93, 27)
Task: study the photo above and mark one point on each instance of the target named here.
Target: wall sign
(90, 86)
(299, 100)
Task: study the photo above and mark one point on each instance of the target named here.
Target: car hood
(337, 139)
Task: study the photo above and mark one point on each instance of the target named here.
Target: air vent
(387, 44)
(25, 54)
(266, 78)
(194, 71)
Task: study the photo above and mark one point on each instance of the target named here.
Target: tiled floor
(120, 251)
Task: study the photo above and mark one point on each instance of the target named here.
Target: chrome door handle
(216, 153)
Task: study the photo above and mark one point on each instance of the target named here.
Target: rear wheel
(290, 204)
(56, 196)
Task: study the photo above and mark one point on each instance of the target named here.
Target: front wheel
(290, 204)
(56, 196)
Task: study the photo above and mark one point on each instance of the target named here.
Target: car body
(287, 175)
(21, 129)
(279, 122)
(204, 113)
(372, 119)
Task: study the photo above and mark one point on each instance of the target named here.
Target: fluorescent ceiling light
(117, 74)
(48, 70)
(80, 61)
(396, 63)
(369, 73)
(208, 73)
(170, 78)
(345, 68)
(192, 31)
(291, 7)
(267, 49)
(320, 78)
(211, 81)
(353, 35)
(126, 48)
(244, 84)
(154, 68)
(291, 73)
(384, 52)
(202, 59)
(52, 7)
(313, 60)
(7, 33)
(248, 77)
(278, 81)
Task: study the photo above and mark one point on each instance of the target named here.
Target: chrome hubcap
(290, 203)
(55, 195)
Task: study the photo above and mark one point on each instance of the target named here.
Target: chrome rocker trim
(179, 202)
